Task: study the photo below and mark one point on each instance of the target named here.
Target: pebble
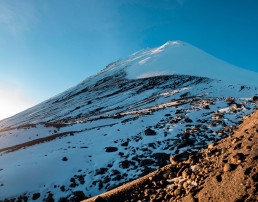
(211, 145)
(227, 167)
(177, 192)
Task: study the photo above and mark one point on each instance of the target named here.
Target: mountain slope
(122, 123)
(225, 171)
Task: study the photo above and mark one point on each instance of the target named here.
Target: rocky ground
(226, 171)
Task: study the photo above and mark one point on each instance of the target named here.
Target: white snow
(91, 112)
(178, 57)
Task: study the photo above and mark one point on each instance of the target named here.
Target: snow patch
(151, 74)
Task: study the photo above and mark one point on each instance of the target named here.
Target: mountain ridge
(111, 129)
(181, 58)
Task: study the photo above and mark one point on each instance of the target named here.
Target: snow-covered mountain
(122, 123)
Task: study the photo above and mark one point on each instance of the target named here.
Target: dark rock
(206, 107)
(237, 105)
(101, 171)
(219, 178)
(179, 158)
(185, 143)
(238, 158)
(106, 179)
(64, 159)
(178, 111)
(81, 179)
(230, 102)
(125, 144)
(161, 158)
(99, 199)
(78, 196)
(35, 196)
(147, 162)
(184, 95)
(149, 132)
(111, 149)
(126, 164)
(19, 199)
(73, 184)
(254, 98)
(187, 120)
(117, 178)
(63, 199)
(115, 172)
(62, 188)
(49, 198)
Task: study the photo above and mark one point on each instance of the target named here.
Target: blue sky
(47, 46)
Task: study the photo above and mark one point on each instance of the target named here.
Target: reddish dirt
(226, 171)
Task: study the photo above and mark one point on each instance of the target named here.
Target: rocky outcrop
(226, 171)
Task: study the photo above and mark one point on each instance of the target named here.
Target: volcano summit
(122, 123)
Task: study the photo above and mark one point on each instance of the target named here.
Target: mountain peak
(179, 57)
(174, 43)
(168, 44)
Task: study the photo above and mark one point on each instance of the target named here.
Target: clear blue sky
(47, 46)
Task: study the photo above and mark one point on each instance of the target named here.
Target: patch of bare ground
(226, 171)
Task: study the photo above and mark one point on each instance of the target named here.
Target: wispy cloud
(17, 16)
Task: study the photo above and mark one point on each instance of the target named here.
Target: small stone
(111, 149)
(64, 159)
(237, 105)
(125, 144)
(149, 132)
(223, 150)
(184, 174)
(62, 188)
(126, 164)
(206, 107)
(227, 167)
(238, 158)
(101, 171)
(254, 98)
(35, 196)
(178, 158)
(192, 176)
(211, 146)
(78, 196)
(185, 185)
(177, 192)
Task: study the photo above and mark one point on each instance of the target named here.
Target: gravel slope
(226, 171)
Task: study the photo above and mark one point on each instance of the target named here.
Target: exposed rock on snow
(127, 120)
(219, 173)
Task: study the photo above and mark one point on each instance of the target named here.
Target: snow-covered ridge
(178, 57)
(121, 123)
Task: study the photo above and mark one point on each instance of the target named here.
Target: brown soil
(226, 171)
